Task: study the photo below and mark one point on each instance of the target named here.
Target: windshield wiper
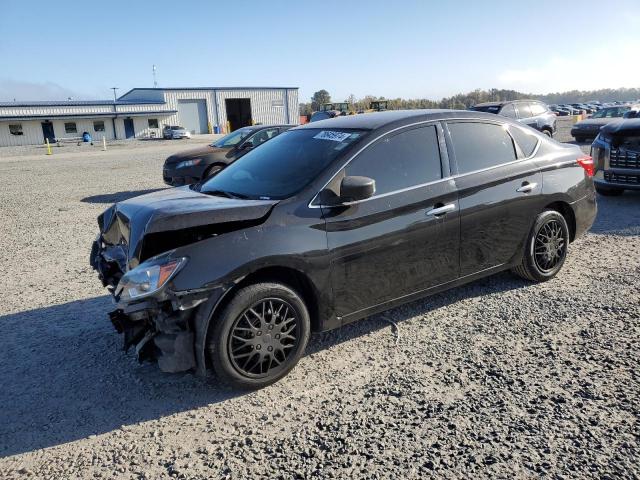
(223, 193)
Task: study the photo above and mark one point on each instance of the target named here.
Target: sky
(52, 49)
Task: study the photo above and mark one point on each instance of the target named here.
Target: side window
(526, 140)
(152, 122)
(15, 129)
(524, 109)
(263, 135)
(508, 111)
(400, 161)
(480, 145)
(98, 126)
(70, 127)
(537, 109)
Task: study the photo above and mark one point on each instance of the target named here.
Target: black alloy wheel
(545, 248)
(259, 335)
(550, 246)
(263, 337)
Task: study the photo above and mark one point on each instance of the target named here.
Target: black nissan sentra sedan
(329, 223)
(197, 164)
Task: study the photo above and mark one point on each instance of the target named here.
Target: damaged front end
(159, 320)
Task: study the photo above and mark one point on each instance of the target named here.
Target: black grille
(618, 178)
(624, 159)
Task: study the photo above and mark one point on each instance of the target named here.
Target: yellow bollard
(228, 126)
(48, 147)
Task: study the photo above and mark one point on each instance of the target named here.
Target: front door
(47, 132)
(394, 244)
(498, 192)
(129, 131)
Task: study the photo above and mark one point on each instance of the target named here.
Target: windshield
(610, 112)
(233, 138)
(284, 165)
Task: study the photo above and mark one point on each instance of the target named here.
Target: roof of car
(370, 121)
(499, 104)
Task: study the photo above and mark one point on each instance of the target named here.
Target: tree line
(466, 100)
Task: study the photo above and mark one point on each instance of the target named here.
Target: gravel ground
(499, 378)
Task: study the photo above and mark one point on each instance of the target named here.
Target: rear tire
(260, 335)
(547, 132)
(580, 139)
(545, 249)
(609, 192)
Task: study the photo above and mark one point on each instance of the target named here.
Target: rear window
(524, 110)
(480, 145)
(527, 141)
(538, 109)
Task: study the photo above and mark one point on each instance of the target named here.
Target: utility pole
(115, 113)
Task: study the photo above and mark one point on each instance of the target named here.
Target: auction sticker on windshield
(333, 136)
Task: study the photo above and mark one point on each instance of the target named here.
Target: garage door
(193, 115)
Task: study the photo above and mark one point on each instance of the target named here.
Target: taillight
(586, 162)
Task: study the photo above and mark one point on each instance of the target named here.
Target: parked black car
(590, 127)
(329, 223)
(200, 163)
(530, 112)
(616, 155)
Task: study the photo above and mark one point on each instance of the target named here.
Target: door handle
(441, 210)
(527, 187)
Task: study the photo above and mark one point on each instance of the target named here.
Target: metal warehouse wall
(172, 97)
(268, 106)
(25, 111)
(32, 131)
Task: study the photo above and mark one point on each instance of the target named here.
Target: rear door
(397, 242)
(499, 191)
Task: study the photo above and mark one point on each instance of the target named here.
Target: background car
(174, 132)
(616, 156)
(590, 127)
(194, 165)
(530, 112)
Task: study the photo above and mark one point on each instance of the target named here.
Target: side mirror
(356, 188)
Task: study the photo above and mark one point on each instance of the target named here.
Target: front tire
(546, 248)
(260, 335)
(609, 192)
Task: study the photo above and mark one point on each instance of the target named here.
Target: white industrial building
(142, 113)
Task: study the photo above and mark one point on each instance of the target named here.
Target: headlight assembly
(147, 279)
(189, 163)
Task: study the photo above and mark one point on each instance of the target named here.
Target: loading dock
(238, 112)
(193, 115)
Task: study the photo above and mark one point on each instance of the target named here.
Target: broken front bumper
(167, 326)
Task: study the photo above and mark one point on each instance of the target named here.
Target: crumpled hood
(128, 222)
(198, 152)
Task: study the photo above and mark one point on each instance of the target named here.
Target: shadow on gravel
(618, 215)
(64, 377)
(117, 196)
